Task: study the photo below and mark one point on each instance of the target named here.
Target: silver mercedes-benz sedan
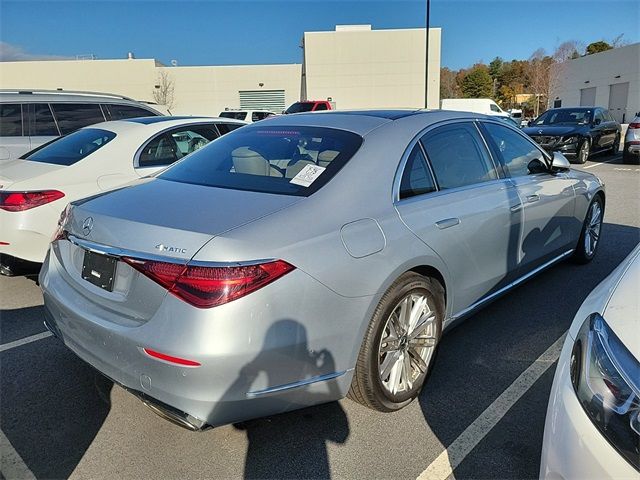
(309, 257)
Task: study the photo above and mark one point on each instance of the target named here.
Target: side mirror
(597, 121)
(529, 123)
(559, 162)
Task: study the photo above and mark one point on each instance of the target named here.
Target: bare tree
(163, 91)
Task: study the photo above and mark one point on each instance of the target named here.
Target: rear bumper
(632, 148)
(289, 345)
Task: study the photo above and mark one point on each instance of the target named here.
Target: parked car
(592, 428)
(486, 106)
(249, 116)
(35, 189)
(294, 262)
(631, 152)
(576, 132)
(30, 118)
(309, 106)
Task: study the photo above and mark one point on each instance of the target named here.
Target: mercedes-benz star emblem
(539, 131)
(87, 225)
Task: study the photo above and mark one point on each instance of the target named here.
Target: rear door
(14, 141)
(456, 201)
(42, 125)
(549, 227)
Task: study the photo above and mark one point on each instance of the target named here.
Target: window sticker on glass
(307, 175)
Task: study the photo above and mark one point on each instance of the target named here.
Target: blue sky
(217, 32)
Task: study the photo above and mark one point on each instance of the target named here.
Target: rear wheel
(400, 344)
(583, 151)
(590, 236)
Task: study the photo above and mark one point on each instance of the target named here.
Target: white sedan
(592, 430)
(35, 189)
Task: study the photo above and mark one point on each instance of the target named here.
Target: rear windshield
(234, 115)
(71, 148)
(281, 160)
(300, 107)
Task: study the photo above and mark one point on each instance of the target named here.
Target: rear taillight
(205, 287)
(634, 125)
(19, 201)
(61, 232)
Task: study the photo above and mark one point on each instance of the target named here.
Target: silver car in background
(308, 257)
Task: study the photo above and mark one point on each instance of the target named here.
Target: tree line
(526, 84)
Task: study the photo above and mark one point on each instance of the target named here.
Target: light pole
(426, 58)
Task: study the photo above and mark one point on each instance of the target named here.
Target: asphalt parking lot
(482, 410)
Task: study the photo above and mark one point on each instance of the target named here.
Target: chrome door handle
(447, 222)
(533, 198)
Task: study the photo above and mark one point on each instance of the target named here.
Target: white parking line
(23, 341)
(11, 463)
(600, 163)
(443, 466)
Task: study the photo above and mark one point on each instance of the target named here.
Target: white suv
(247, 115)
(29, 118)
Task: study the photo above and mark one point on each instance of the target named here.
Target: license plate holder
(100, 270)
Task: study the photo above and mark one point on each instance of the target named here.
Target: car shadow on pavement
(290, 445)
(482, 356)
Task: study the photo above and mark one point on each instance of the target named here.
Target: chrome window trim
(118, 252)
(136, 156)
(395, 194)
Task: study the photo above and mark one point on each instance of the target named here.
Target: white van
(476, 105)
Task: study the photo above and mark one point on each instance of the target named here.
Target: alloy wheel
(592, 232)
(584, 151)
(408, 343)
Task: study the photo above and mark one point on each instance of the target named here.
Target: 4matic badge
(164, 248)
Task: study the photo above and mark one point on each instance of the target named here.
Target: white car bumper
(573, 448)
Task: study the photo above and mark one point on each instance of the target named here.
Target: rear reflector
(171, 359)
(205, 287)
(19, 201)
(634, 125)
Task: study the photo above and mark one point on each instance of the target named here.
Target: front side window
(10, 120)
(458, 156)
(71, 148)
(599, 116)
(416, 179)
(73, 116)
(494, 107)
(175, 144)
(282, 160)
(234, 115)
(42, 122)
(120, 112)
(299, 107)
(515, 150)
(321, 106)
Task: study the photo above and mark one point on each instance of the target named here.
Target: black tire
(367, 387)
(581, 254)
(629, 158)
(584, 149)
(615, 148)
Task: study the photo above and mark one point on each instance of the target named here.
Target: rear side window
(10, 120)
(119, 112)
(282, 160)
(227, 127)
(416, 179)
(458, 156)
(320, 106)
(41, 119)
(175, 144)
(515, 150)
(71, 148)
(73, 116)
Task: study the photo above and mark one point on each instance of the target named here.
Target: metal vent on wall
(272, 100)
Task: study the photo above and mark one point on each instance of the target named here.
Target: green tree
(495, 67)
(477, 83)
(449, 87)
(597, 47)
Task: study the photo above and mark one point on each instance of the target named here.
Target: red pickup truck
(309, 106)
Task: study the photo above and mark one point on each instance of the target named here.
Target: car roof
(34, 96)
(364, 121)
(149, 125)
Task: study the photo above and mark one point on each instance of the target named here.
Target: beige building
(362, 68)
(354, 66)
